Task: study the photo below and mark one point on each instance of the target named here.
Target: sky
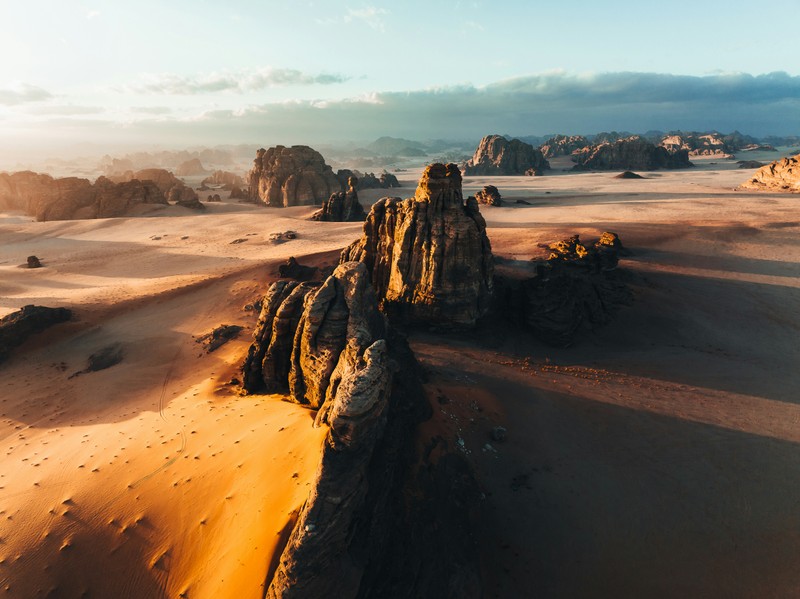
(178, 73)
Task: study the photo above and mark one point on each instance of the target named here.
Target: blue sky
(205, 72)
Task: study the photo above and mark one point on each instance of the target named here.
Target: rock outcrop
(781, 175)
(495, 155)
(47, 198)
(295, 176)
(163, 178)
(367, 180)
(490, 196)
(429, 257)
(342, 206)
(186, 197)
(226, 179)
(16, 327)
(697, 144)
(563, 145)
(632, 153)
(191, 168)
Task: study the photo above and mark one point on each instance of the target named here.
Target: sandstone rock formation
(490, 196)
(632, 153)
(191, 168)
(237, 193)
(16, 327)
(34, 262)
(342, 206)
(628, 175)
(226, 179)
(213, 198)
(563, 145)
(186, 197)
(163, 178)
(69, 198)
(750, 164)
(429, 257)
(781, 175)
(495, 155)
(293, 176)
(367, 180)
(708, 144)
(292, 269)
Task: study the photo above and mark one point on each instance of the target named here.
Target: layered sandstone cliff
(495, 155)
(294, 176)
(632, 153)
(429, 257)
(781, 175)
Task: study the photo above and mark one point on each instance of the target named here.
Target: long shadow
(733, 264)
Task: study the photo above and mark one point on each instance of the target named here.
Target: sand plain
(657, 456)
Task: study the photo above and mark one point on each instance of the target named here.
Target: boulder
(191, 168)
(15, 328)
(293, 176)
(632, 153)
(781, 175)
(628, 175)
(429, 257)
(342, 206)
(490, 196)
(34, 262)
(495, 155)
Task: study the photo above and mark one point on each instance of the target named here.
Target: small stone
(499, 434)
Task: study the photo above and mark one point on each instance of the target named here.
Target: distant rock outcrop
(191, 168)
(781, 175)
(698, 144)
(186, 197)
(47, 198)
(495, 155)
(628, 175)
(226, 179)
(632, 153)
(429, 257)
(490, 196)
(367, 180)
(163, 178)
(295, 176)
(342, 206)
(563, 145)
(16, 327)
(750, 164)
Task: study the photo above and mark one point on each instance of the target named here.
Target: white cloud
(92, 14)
(371, 15)
(23, 93)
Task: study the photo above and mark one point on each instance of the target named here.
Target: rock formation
(292, 269)
(16, 327)
(490, 196)
(781, 175)
(563, 145)
(163, 178)
(429, 257)
(69, 198)
(237, 193)
(226, 179)
(495, 155)
(367, 180)
(577, 286)
(191, 168)
(632, 153)
(628, 175)
(293, 176)
(186, 197)
(342, 206)
(750, 164)
(707, 144)
(34, 262)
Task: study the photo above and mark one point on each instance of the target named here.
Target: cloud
(370, 15)
(153, 110)
(23, 93)
(64, 110)
(237, 82)
(92, 14)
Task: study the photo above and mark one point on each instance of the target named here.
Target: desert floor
(658, 456)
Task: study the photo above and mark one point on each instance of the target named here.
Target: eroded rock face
(706, 144)
(490, 196)
(367, 180)
(563, 145)
(429, 257)
(163, 178)
(633, 153)
(16, 327)
(495, 155)
(781, 175)
(227, 179)
(342, 206)
(69, 198)
(293, 176)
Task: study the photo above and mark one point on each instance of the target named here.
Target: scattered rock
(293, 176)
(219, 336)
(281, 237)
(628, 175)
(213, 198)
(489, 196)
(294, 270)
(239, 240)
(495, 155)
(15, 328)
(342, 206)
(781, 175)
(34, 262)
(429, 257)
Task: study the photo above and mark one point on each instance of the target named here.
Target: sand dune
(656, 457)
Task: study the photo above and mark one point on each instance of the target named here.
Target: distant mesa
(495, 155)
(428, 256)
(295, 176)
(342, 206)
(781, 175)
(226, 179)
(628, 175)
(563, 145)
(367, 180)
(47, 198)
(191, 168)
(15, 328)
(706, 144)
(163, 178)
(632, 153)
(489, 196)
